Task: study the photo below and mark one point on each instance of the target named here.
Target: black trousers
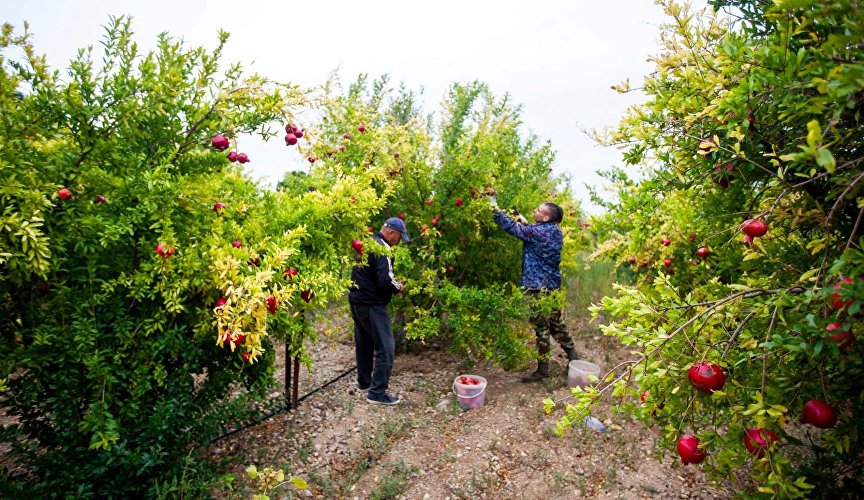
(374, 348)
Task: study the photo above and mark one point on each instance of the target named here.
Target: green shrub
(110, 362)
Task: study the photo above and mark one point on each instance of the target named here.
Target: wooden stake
(296, 382)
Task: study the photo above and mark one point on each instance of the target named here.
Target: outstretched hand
(519, 217)
(493, 202)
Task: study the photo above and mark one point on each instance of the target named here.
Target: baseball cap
(397, 224)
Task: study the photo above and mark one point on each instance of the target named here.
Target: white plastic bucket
(470, 396)
(582, 373)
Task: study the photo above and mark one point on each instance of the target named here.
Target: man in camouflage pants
(541, 259)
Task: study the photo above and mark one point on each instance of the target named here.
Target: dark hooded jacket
(374, 283)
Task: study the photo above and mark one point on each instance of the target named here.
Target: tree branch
(736, 332)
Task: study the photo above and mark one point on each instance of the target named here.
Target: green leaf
(752, 255)
(814, 133)
(299, 483)
(809, 274)
(825, 159)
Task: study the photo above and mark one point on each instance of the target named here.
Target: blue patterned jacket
(541, 251)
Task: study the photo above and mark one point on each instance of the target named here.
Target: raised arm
(521, 231)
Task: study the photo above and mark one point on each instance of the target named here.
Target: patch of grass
(560, 481)
(348, 405)
(542, 456)
(372, 448)
(429, 391)
(589, 283)
(550, 383)
(580, 484)
(650, 488)
(303, 453)
(454, 409)
(326, 483)
(481, 483)
(227, 483)
(395, 482)
(611, 476)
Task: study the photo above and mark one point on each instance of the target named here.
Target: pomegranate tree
(776, 315)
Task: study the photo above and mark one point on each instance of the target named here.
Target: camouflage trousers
(550, 325)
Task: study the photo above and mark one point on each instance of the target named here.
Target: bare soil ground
(428, 448)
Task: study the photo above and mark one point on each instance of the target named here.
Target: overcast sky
(557, 58)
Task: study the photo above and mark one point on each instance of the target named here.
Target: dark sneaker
(363, 387)
(384, 400)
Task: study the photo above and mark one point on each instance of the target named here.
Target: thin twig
(822, 381)
(686, 411)
(707, 319)
(826, 173)
(736, 332)
(764, 350)
(776, 201)
(746, 294)
(855, 228)
(804, 378)
(840, 198)
(748, 160)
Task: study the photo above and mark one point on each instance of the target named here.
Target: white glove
(493, 201)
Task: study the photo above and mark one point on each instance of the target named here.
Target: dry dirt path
(428, 448)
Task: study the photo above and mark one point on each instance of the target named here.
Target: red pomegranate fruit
(757, 440)
(837, 301)
(220, 142)
(272, 304)
(706, 377)
(843, 338)
(754, 227)
(819, 414)
(689, 450)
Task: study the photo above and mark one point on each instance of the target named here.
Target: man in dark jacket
(373, 285)
(541, 259)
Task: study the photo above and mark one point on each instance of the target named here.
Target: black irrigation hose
(346, 372)
(281, 408)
